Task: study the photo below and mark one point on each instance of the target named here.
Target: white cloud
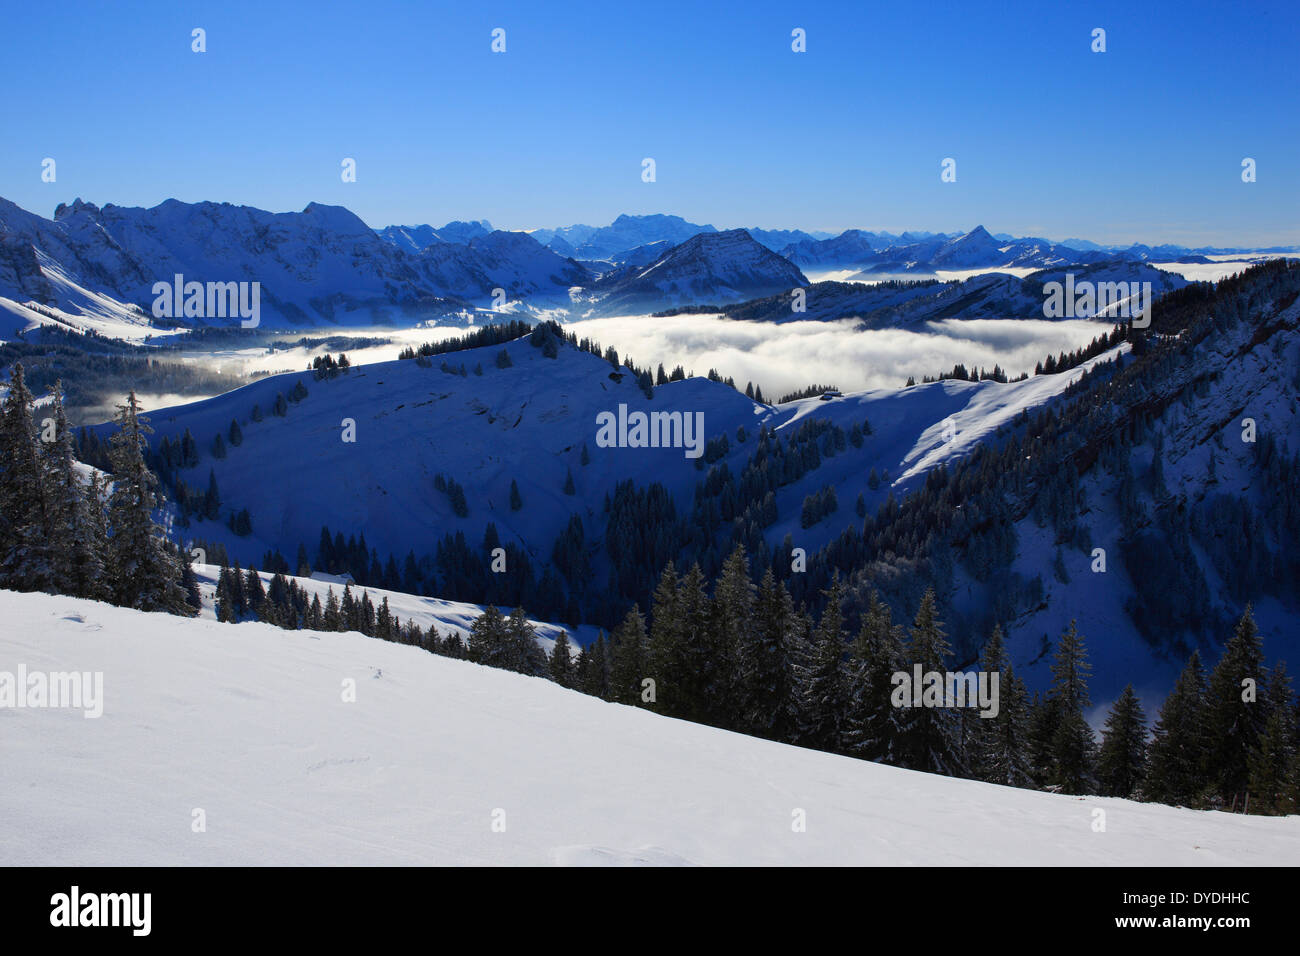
(784, 357)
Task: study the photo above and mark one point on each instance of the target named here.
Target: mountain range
(1138, 452)
(92, 269)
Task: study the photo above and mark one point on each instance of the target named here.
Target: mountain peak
(63, 210)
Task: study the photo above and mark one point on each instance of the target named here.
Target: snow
(247, 723)
(447, 616)
(528, 423)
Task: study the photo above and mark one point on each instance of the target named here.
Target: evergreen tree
(522, 650)
(928, 739)
(1271, 767)
(1122, 760)
(595, 676)
(79, 532)
(732, 615)
(212, 499)
(664, 650)
(1177, 755)
(1001, 747)
(190, 584)
(516, 502)
(873, 724)
(143, 571)
(1044, 718)
(768, 696)
(1074, 747)
(561, 661)
(824, 687)
(1237, 718)
(27, 559)
(332, 619)
(694, 671)
(488, 639)
(629, 659)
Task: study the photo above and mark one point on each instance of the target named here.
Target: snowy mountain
(417, 238)
(319, 267)
(912, 303)
(440, 761)
(711, 267)
(851, 247)
(623, 234)
(528, 424)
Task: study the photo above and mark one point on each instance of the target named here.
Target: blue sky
(1143, 142)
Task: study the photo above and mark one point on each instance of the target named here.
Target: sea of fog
(785, 357)
(779, 357)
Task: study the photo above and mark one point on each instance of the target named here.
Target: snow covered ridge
(96, 268)
(233, 745)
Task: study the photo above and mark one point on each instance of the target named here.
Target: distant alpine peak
(63, 210)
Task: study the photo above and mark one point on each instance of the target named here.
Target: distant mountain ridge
(94, 269)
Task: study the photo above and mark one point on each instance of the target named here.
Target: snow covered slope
(248, 724)
(711, 267)
(528, 423)
(449, 617)
(320, 266)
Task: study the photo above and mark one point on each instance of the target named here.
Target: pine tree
(928, 738)
(1237, 719)
(628, 668)
(873, 724)
(561, 661)
(665, 643)
(1271, 765)
(1074, 748)
(825, 691)
(1043, 720)
(732, 613)
(768, 702)
(190, 584)
(27, 559)
(1178, 752)
(595, 676)
(332, 616)
(488, 639)
(694, 672)
(212, 498)
(569, 488)
(79, 533)
(1001, 746)
(516, 502)
(1122, 760)
(143, 572)
(522, 651)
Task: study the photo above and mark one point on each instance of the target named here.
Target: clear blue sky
(1143, 142)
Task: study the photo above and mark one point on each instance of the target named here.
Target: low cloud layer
(785, 357)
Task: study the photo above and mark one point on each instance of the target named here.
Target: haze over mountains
(89, 267)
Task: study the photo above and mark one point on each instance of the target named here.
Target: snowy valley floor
(247, 723)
